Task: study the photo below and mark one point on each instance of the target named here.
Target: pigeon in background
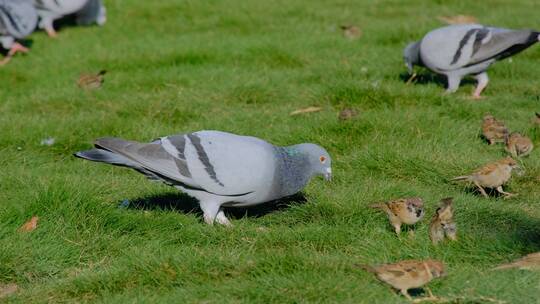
(18, 19)
(466, 49)
(93, 12)
(218, 168)
(86, 12)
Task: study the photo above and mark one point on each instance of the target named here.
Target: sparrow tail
(460, 178)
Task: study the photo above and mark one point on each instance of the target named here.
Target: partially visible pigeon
(218, 168)
(18, 19)
(466, 49)
(86, 11)
(93, 12)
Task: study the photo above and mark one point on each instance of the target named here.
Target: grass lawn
(242, 66)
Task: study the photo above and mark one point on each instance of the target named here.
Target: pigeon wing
(496, 43)
(152, 157)
(224, 163)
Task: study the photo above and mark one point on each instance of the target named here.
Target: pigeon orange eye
(322, 159)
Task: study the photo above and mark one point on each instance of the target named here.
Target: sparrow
(402, 211)
(494, 131)
(91, 81)
(408, 274)
(348, 113)
(518, 145)
(492, 175)
(528, 262)
(443, 224)
(351, 31)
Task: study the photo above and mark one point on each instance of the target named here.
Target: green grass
(243, 66)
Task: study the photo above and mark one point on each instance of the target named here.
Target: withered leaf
(306, 110)
(30, 225)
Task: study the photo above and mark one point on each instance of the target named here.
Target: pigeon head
(411, 55)
(319, 160)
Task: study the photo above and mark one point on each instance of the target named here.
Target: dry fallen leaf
(351, 31)
(8, 289)
(30, 225)
(91, 81)
(348, 113)
(306, 110)
(528, 262)
(458, 19)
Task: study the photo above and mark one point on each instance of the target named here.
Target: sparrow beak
(328, 174)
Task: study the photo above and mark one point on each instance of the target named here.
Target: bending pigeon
(86, 12)
(459, 50)
(218, 168)
(18, 19)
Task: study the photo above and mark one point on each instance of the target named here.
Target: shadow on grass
(426, 78)
(183, 203)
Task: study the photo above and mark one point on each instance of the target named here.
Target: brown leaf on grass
(8, 289)
(91, 81)
(351, 31)
(30, 225)
(458, 19)
(306, 110)
(347, 113)
(528, 262)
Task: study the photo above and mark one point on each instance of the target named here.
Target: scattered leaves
(8, 289)
(91, 81)
(528, 262)
(458, 19)
(347, 113)
(351, 32)
(306, 110)
(30, 225)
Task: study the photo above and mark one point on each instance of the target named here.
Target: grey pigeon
(467, 49)
(93, 12)
(86, 11)
(218, 168)
(18, 19)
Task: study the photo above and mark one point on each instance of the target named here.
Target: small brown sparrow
(351, 31)
(518, 145)
(92, 81)
(443, 224)
(408, 274)
(528, 262)
(348, 113)
(494, 131)
(402, 211)
(492, 175)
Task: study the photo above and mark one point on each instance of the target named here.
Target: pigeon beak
(328, 174)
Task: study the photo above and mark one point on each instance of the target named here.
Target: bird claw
(51, 32)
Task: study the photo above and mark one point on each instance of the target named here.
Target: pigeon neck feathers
(293, 171)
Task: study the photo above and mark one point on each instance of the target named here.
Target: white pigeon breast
(448, 48)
